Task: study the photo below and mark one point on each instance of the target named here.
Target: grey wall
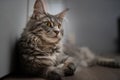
(12, 20)
(94, 23)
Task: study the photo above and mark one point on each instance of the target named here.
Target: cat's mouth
(51, 38)
(53, 35)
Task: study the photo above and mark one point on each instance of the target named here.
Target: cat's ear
(62, 14)
(39, 7)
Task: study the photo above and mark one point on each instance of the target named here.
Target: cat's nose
(56, 31)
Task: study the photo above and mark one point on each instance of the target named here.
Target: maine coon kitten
(40, 48)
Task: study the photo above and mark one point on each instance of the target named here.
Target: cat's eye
(48, 24)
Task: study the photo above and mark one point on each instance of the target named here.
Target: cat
(42, 53)
(40, 47)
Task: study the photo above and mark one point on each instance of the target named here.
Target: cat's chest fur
(33, 48)
(36, 43)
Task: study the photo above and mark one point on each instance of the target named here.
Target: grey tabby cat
(40, 48)
(42, 53)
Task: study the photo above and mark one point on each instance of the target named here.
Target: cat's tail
(107, 62)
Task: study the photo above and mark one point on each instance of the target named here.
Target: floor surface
(91, 73)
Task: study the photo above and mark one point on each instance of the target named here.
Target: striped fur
(40, 48)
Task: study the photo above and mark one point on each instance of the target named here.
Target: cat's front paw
(69, 70)
(54, 76)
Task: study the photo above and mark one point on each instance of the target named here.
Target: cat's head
(48, 27)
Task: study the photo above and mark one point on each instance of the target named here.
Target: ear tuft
(62, 14)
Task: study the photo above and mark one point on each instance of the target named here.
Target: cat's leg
(54, 73)
(69, 67)
(66, 68)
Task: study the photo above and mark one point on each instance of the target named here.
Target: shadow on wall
(118, 38)
(14, 67)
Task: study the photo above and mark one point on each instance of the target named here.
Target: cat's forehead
(52, 18)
